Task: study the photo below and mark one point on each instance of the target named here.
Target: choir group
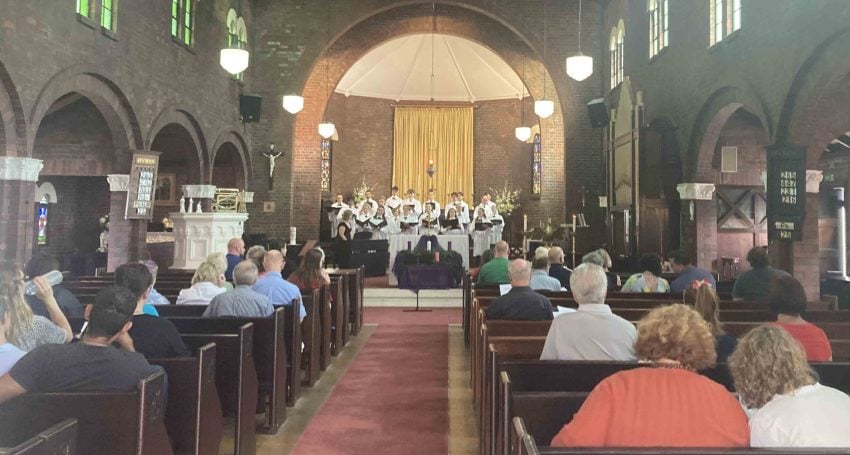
(396, 216)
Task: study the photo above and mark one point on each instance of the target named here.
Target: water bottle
(53, 277)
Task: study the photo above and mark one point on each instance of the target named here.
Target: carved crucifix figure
(272, 156)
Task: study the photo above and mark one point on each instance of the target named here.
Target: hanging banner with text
(786, 192)
(140, 194)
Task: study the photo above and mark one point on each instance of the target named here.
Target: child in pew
(150, 336)
(93, 364)
(242, 302)
(789, 407)
(677, 406)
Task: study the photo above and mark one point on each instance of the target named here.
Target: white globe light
(326, 130)
(293, 103)
(580, 66)
(522, 133)
(544, 108)
(234, 60)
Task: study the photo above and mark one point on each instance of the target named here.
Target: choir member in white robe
(379, 224)
(334, 216)
(482, 231)
(362, 219)
(432, 199)
(368, 202)
(409, 221)
(463, 212)
(498, 226)
(393, 201)
(410, 200)
(451, 225)
(429, 222)
(487, 205)
(394, 221)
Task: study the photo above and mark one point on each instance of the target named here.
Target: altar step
(434, 298)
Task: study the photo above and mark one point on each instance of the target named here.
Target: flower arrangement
(359, 193)
(506, 199)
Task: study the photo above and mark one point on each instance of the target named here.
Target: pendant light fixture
(293, 103)
(522, 132)
(579, 66)
(234, 59)
(544, 108)
(327, 128)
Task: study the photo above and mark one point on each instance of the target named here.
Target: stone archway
(180, 162)
(233, 144)
(13, 126)
(189, 125)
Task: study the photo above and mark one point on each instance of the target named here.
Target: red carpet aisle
(394, 397)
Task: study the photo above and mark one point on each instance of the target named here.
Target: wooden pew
(312, 336)
(236, 380)
(108, 423)
(338, 290)
(326, 326)
(355, 296)
(60, 439)
(268, 356)
(193, 414)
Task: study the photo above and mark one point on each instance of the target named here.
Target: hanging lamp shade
(522, 133)
(544, 108)
(293, 103)
(326, 130)
(234, 60)
(580, 66)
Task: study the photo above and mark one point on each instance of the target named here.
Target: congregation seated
(288, 266)
(272, 285)
(540, 278)
(235, 250)
(28, 331)
(788, 407)
(601, 258)
(311, 274)
(40, 265)
(706, 302)
(93, 364)
(677, 406)
(207, 283)
(521, 302)
(787, 301)
(495, 271)
(754, 284)
(687, 273)
(593, 332)
(219, 261)
(256, 254)
(9, 353)
(649, 280)
(242, 301)
(557, 270)
(154, 297)
(151, 336)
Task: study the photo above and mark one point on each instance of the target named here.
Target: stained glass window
(188, 22)
(107, 14)
(327, 153)
(83, 8)
(536, 165)
(175, 18)
(725, 16)
(658, 26)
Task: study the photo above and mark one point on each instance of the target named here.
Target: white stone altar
(196, 235)
(459, 243)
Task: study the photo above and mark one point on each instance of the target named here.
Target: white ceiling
(400, 69)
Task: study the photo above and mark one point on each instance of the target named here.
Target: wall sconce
(432, 169)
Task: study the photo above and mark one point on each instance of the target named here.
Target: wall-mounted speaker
(728, 159)
(249, 108)
(598, 113)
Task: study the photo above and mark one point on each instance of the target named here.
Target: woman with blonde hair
(677, 407)
(791, 409)
(219, 260)
(705, 301)
(207, 283)
(26, 330)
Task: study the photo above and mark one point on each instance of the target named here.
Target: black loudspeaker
(249, 108)
(598, 113)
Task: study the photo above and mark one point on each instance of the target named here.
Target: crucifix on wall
(272, 156)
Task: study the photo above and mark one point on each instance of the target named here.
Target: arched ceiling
(400, 69)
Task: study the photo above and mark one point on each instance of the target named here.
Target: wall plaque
(786, 192)
(140, 194)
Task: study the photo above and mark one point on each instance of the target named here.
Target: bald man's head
(520, 272)
(501, 249)
(273, 262)
(235, 246)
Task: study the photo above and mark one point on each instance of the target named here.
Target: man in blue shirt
(687, 273)
(235, 250)
(272, 284)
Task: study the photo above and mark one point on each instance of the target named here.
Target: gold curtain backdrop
(441, 134)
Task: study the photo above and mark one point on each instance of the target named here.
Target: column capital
(118, 182)
(813, 179)
(695, 191)
(20, 168)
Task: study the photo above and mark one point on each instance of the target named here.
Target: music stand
(418, 283)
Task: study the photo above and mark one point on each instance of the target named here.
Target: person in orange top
(787, 301)
(667, 404)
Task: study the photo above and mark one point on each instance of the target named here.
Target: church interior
(703, 135)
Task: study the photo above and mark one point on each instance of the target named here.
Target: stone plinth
(196, 235)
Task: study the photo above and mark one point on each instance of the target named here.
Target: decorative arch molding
(710, 121)
(107, 97)
(170, 115)
(233, 137)
(13, 124)
(825, 71)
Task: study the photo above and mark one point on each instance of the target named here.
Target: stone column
(127, 238)
(18, 177)
(699, 222)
